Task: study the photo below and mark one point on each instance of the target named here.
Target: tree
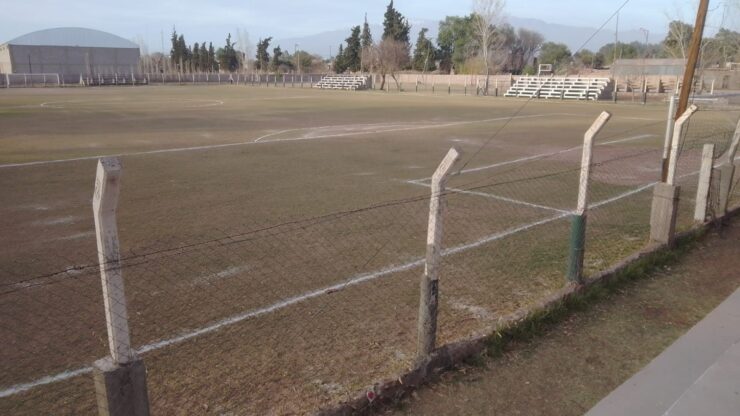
(212, 58)
(176, 53)
(305, 59)
(487, 15)
(263, 57)
(528, 43)
(352, 54)
(678, 39)
(227, 57)
(556, 54)
(196, 56)
(632, 50)
(277, 54)
(455, 41)
(727, 45)
(366, 40)
(182, 50)
(340, 62)
(397, 28)
(424, 53)
(587, 59)
(203, 58)
(390, 57)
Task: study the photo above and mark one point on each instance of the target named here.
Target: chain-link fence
(291, 317)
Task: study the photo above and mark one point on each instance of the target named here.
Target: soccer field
(273, 238)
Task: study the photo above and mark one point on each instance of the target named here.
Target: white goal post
(30, 80)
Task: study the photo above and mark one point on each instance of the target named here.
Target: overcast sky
(210, 20)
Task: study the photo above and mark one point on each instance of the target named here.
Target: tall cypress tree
(263, 57)
(174, 57)
(366, 37)
(277, 53)
(228, 59)
(352, 58)
(340, 65)
(203, 58)
(212, 57)
(424, 53)
(196, 56)
(395, 26)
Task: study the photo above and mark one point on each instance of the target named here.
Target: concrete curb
(448, 356)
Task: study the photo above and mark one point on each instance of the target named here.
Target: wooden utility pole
(688, 76)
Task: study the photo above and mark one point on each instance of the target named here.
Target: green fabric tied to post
(577, 248)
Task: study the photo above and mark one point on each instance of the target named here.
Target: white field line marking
(541, 155)
(208, 103)
(493, 196)
(622, 196)
(428, 126)
(147, 152)
(640, 118)
(501, 235)
(198, 103)
(259, 140)
(223, 274)
(19, 388)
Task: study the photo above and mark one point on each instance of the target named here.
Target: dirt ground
(289, 225)
(574, 364)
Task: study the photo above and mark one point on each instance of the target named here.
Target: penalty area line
(260, 140)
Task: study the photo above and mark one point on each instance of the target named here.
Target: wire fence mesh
(294, 316)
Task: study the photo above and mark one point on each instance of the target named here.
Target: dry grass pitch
(258, 280)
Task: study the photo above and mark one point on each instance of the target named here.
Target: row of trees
(479, 43)
(483, 43)
(202, 58)
(283, 61)
(233, 57)
(716, 51)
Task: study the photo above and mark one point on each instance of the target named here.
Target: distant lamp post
(644, 64)
(647, 37)
(297, 58)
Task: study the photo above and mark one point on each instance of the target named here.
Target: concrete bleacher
(343, 82)
(561, 88)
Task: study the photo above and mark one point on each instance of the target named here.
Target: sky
(210, 20)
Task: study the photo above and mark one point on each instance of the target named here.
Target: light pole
(297, 58)
(644, 65)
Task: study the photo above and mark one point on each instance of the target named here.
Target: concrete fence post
(675, 143)
(704, 186)
(429, 293)
(120, 380)
(578, 221)
(729, 157)
(668, 136)
(726, 174)
(666, 194)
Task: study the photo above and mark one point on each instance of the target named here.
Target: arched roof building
(69, 50)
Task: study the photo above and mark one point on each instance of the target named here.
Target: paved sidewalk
(698, 375)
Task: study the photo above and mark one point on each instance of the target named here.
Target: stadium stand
(562, 88)
(343, 82)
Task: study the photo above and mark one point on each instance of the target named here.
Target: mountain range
(576, 37)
